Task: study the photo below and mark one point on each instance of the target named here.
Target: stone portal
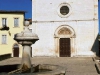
(64, 40)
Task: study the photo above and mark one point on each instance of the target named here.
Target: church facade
(66, 28)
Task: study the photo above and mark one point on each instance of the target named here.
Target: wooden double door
(64, 47)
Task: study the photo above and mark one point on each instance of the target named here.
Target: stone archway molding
(64, 31)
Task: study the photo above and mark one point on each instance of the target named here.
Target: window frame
(3, 41)
(4, 22)
(16, 21)
(61, 5)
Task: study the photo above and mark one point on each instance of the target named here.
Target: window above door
(64, 10)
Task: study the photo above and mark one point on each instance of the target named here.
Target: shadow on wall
(95, 47)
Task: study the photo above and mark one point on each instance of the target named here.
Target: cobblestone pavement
(73, 66)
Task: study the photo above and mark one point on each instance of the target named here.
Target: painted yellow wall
(8, 48)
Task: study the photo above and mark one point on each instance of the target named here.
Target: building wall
(8, 48)
(83, 19)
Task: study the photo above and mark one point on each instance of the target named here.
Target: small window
(4, 39)
(4, 22)
(16, 22)
(64, 10)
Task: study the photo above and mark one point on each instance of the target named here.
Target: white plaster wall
(84, 40)
(46, 10)
(45, 20)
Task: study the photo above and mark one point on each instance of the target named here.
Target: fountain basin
(40, 69)
(48, 69)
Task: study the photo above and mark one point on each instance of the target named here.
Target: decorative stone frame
(71, 36)
(64, 4)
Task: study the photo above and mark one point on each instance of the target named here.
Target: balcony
(4, 28)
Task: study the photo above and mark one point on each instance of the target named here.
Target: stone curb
(97, 65)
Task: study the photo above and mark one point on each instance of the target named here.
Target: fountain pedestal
(26, 61)
(26, 38)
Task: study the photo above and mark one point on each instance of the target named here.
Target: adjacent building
(66, 28)
(11, 22)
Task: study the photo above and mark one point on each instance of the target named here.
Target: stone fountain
(26, 38)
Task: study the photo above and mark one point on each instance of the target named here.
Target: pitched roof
(10, 11)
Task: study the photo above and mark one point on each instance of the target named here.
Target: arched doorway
(64, 40)
(15, 50)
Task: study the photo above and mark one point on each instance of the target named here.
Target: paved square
(72, 65)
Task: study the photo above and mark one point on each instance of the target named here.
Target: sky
(99, 9)
(24, 5)
(99, 15)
